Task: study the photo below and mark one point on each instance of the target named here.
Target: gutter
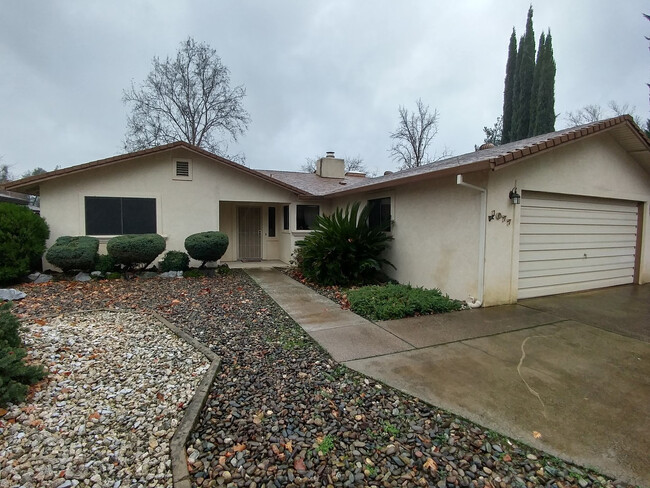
(478, 301)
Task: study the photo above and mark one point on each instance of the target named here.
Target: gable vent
(183, 169)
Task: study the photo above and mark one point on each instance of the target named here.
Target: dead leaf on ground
(299, 465)
(430, 464)
(239, 447)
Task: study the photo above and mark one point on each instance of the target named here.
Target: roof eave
(31, 184)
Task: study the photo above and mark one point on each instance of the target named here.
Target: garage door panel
(570, 243)
(561, 229)
(553, 255)
(544, 268)
(574, 241)
(580, 277)
(566, 202)
(569, 288)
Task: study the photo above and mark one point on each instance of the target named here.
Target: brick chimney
(330, 166)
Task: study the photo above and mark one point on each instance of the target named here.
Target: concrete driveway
(568, 374)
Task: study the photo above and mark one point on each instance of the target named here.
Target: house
(580, 222)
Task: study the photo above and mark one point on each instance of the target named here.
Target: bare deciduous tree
(594, 113)
(186, 98)
(413, 136)
(354, 164)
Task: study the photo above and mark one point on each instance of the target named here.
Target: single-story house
(551, 214)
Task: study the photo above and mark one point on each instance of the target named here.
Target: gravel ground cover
(283, 413)
(117, 386)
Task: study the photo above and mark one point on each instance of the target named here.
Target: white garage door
(573, 243)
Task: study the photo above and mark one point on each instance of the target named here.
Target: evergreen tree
(524, 81)
(529, 91)
(545, 116)
(508, 91)
(534, 92)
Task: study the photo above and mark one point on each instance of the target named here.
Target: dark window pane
(379, 217)
(103, 216)
(271, 221)
(116, 216)
(305, 216)
(285, 217)
(139, 215)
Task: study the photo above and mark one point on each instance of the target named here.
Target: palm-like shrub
(343, 249)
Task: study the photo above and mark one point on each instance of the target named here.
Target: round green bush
(105, 264)
(207, 246)
(175, 261)
(22, 241)
(134, 249)
(74, 253)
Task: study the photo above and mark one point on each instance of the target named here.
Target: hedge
(22, 241)
(175, 261)
(74, 253)
(134, 249)
(207, 246)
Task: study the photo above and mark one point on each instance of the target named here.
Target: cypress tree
(508, 91)
(535, 90)
(545, 117)
(524, 81)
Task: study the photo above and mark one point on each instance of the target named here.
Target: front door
(250, 233)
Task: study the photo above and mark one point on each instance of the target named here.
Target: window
(182, 169)
(106, 216)
(285, 217)
(379, 217)
(305, 216)
(271, 221)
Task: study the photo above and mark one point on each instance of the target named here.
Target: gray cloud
(319, 75)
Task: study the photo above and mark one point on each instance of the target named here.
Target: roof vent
(386, 173)
(329, 154)
(487, 145)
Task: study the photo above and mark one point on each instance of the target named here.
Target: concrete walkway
(569, 375)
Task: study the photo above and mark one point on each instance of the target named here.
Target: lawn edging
(178, 453)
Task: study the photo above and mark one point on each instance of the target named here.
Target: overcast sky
(320, 76)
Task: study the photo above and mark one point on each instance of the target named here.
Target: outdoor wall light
(515, 197)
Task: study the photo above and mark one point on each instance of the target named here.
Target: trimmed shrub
(22, 241)
(15, 376)
(175, 261)
(207, 246)
(393, 301)
(136, 249)
(343, 249)
(74, 253)
(105, 263)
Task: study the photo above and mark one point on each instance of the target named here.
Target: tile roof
(623, 128)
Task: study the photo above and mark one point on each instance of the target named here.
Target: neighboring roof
(30, 184)
(14, 197)
(622, 128)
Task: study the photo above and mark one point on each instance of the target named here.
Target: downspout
(478, 301)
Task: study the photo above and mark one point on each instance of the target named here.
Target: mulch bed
(283, 413)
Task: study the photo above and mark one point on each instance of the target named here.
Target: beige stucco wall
(594, 167)
(435, 230)
(182, 207)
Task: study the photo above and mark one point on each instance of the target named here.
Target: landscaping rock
(171, 274)
(117, 387)
(39, 277)
(281, 402)
(11, 294)
(82, 277)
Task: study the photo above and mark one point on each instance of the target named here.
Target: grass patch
(394, 301)
(326, 445)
